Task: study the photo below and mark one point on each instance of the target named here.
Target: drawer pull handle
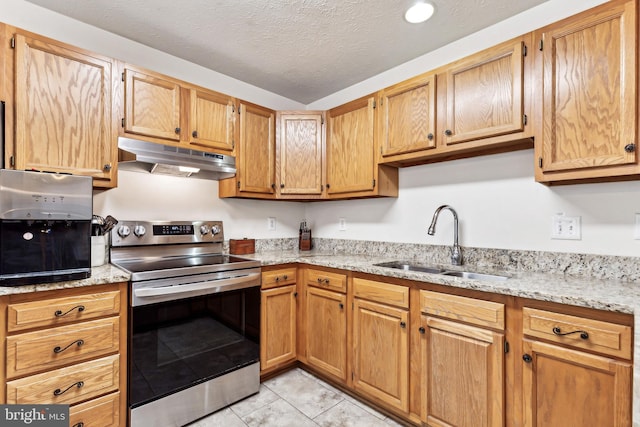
(583, 334)
(59, 313)
(325, 281)
(80, 424)
(58, 349)
(58, 392)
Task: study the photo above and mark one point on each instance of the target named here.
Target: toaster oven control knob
(139, 230)
(215, 230)
(124, 231)
(204, 229)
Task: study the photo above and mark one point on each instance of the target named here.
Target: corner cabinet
(255, 158)
(352, 162)
(589, 102)
(63, 110)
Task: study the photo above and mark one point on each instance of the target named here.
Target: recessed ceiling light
(419, 12)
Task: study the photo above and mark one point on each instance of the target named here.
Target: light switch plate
(342, 224)
(271, 223)
(566, 227)
(636, 230)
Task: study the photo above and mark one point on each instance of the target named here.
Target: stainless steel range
(194, 320)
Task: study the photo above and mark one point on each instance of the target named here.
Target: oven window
(178, 344)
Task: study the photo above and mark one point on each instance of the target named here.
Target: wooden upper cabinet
(588, 65)
(484, 94)
(408, 116)
(63, 110)
(212, 120)
(300, 153)
(256, 151)
(152, 105)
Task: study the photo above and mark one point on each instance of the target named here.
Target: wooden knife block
(304, 243)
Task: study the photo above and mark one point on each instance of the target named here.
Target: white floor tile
(257, 401)
(277, 414)
(346, 414)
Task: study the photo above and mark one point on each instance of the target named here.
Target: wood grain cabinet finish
(278, 326)
(212, 120)
(381, 343)
(588, 86)
(463, 378)
(63, 110)
(352, 160)
(68, 346)
(255, 155)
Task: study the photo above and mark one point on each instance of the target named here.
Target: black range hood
(142, 156)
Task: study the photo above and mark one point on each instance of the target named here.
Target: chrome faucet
(456, 254)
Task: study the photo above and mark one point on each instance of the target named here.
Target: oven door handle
(212, 286)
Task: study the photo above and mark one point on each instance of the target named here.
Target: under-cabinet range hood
(141, 156)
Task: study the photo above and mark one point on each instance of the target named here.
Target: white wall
(497, 199)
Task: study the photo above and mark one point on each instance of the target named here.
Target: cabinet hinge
(524, 119)
(123, 76)
(374, 103)
(238, 185)
(12, 161)
(13, 42)
(352, 376)
(374, 183)
(506, 346)
(321, 120)
(539, 162)
(352, 306)
(541, 44)
(524, 50)
(123, 122)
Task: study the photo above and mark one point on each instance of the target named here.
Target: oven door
(182, 349)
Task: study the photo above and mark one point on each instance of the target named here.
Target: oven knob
(204, 229)
(124, 231)
(215, 230)
(139, 230)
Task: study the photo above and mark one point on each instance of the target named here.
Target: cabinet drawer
(67, 385)
(470, 310)
(327, 280)
(51, 348)
(385, 293)
(284, 276)
(604, 337)
(58, 311)
(101, 412)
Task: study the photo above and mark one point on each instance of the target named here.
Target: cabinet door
(590, 92)
(278, 326)
(64, 120)
(212, 120)
(350, 147)
(152, 105)
(381, 352)
(463, 382)
(256, 150)
(569, 388)
(326, 323)
(484, 95)
(300, 148)
(408, 116)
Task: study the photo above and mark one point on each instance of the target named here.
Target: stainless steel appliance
(194, 320)
(45, 227)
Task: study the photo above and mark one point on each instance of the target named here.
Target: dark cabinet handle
(430, 137)
(281, 185)
(583, 334)
(422, 330)
(58, 392)
(403, 324)
(295, 295)
(285, 277)
(273, 186)
(527, 358)
(80, 424)
(341, 306)
(630, 148)
(194, 134)
(107, 167)
(59, 313)
(58, 349)
(325, 281)
(448, 132)
(177, 130)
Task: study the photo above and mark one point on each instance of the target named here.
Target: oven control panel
(136, 233)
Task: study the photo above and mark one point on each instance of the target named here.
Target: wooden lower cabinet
(278, 327)
(326, 331)
(571, 388)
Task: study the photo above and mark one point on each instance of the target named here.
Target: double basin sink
(400, 265)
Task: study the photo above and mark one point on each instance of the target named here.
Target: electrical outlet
(342, 224)
(271, 223)
(566, 227)
(636, 231)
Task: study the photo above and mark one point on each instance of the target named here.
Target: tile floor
(297, 399)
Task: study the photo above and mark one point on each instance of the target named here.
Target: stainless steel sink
(402, 265)
(475, 276)
(399, 265)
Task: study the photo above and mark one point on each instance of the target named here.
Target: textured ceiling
(301, 49)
